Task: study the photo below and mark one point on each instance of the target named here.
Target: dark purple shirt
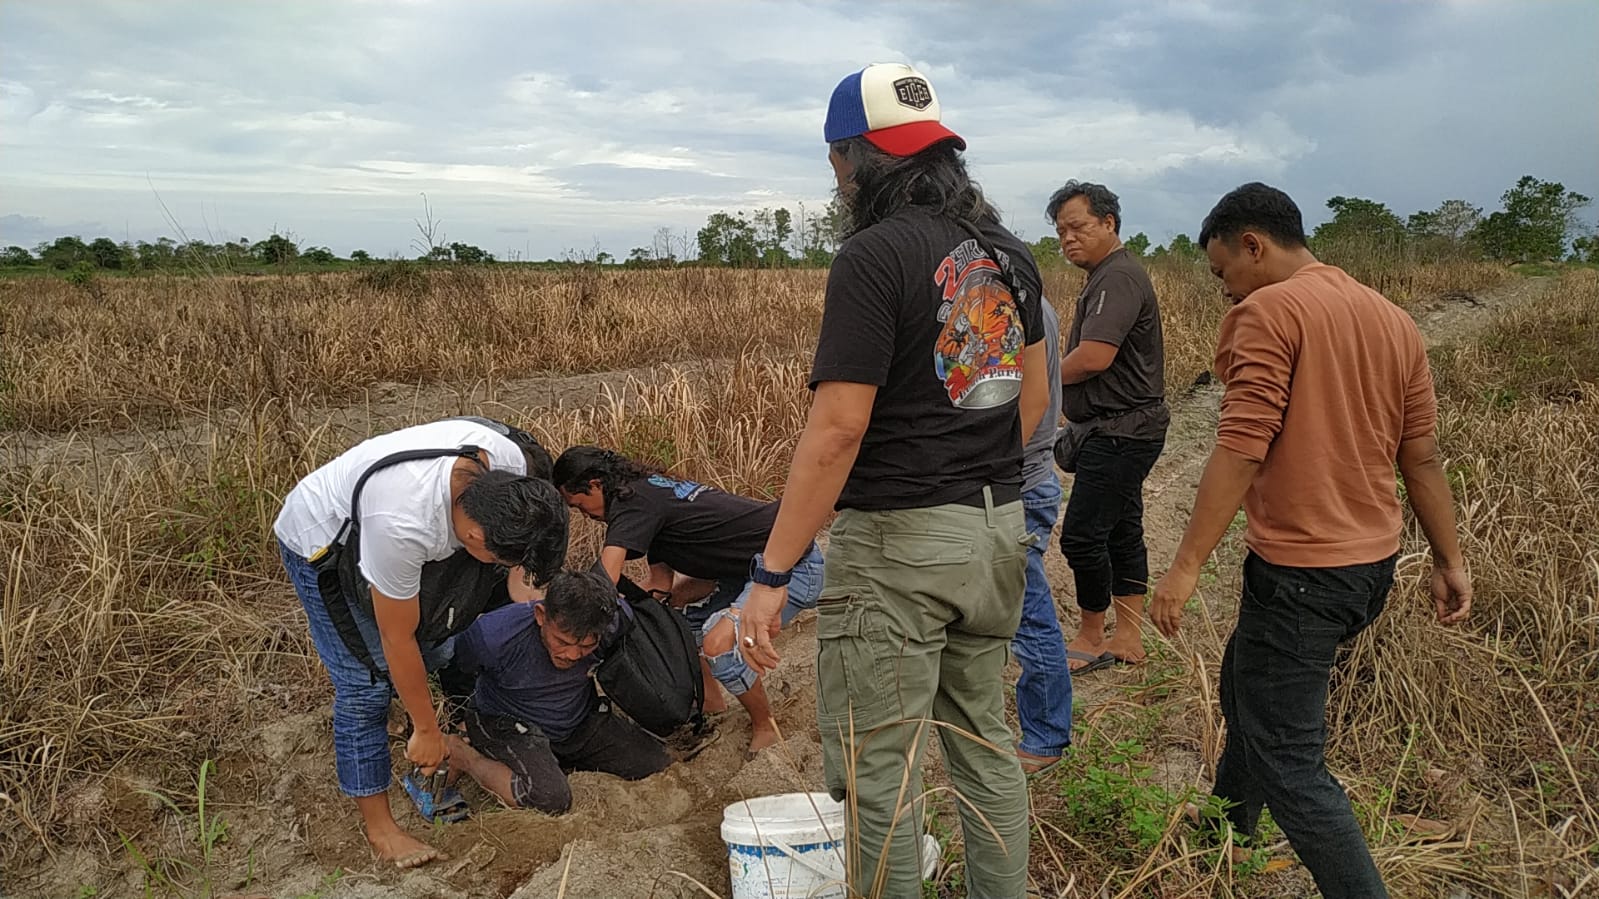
(517, 679)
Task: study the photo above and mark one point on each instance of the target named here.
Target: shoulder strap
(1005, 273)
(465, 452)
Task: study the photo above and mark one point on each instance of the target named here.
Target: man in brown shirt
(1327, 389)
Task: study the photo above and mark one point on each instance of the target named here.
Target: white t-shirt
(405, 508)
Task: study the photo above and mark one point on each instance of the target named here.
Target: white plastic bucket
(791, 846)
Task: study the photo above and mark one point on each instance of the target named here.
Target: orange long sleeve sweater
(1324, 378)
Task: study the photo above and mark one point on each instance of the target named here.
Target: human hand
(762, 618)
(520, 585)
(1451, 594)
(427, 748)
(1171, 595)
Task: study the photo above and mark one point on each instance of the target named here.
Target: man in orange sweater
(1327, 389)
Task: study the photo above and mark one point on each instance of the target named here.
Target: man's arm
(840, 413)
(612, 558)
(1428, 490)
(1090, 358)
(397, 619)
(1221, 491)
(1035, 388)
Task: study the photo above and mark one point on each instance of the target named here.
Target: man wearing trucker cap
(929, 369)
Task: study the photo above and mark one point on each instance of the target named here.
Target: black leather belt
(1003, 495)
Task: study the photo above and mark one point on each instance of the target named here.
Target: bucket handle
(794, 854)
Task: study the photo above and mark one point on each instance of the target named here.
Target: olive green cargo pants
(915, 620)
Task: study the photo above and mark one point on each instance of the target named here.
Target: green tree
(1537, 220)
(14, 256)
(158, 255)
(105, 253)
(1444, 231)
(360, 256)
(465, 252)
(728, 240)
(1361, 222)
(64, 253)
(275, 250)
(1583, 249)
(319, 256)
(1138, 244)
(819, 235)
(1183, 247)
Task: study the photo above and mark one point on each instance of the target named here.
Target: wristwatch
(760, 575)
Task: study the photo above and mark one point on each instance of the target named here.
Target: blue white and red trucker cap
(890, 104)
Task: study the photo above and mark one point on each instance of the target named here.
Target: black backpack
(650, 669)
(540, 464)
(454, 591)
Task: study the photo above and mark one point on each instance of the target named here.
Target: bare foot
(1129, 649)
(404, 850)
(1090, 648)
(761, 738)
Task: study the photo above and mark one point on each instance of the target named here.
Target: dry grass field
(161, 732)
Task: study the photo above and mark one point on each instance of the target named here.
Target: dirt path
(658, 837)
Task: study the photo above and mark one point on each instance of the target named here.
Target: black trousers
(1102, 529)
(603, 742)
(1274, 678)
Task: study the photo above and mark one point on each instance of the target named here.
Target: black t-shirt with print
(915, 307)
(696, 530)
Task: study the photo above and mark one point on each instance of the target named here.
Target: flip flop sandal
(1044, 764)
(1104, 660)
(434, 801)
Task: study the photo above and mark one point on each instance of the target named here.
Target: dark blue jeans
(1274, 677)
(1044, 691)
(1102, 532)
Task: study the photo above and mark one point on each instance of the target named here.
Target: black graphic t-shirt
(696, 530)
(915, 307)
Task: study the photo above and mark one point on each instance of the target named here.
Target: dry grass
(146, 627)
(152, 350)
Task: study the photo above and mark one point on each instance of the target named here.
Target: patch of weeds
(1108, 792)
(171, 874)
(399, 276)
(649, 439)
(215, 522)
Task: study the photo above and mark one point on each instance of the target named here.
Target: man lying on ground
(700, 543)
(535, 713)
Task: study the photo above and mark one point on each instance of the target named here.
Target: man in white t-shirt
(411, 513)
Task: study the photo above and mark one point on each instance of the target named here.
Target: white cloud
(562, 123)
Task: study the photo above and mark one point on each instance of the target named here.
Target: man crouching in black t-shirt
(699, 543)
(535, 712)
(931, 319)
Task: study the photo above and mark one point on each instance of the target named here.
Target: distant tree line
(1538, 222)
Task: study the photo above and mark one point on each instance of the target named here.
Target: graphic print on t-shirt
(687, 491)
(978, 355)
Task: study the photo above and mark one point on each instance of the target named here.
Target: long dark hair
(934, 179)
(581, 464)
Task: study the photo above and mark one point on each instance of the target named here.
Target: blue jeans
(729, 668)
(1044, 691)
(360, 700)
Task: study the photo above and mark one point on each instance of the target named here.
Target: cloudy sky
(536, 129)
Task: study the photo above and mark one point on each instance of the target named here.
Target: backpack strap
(465, 452)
